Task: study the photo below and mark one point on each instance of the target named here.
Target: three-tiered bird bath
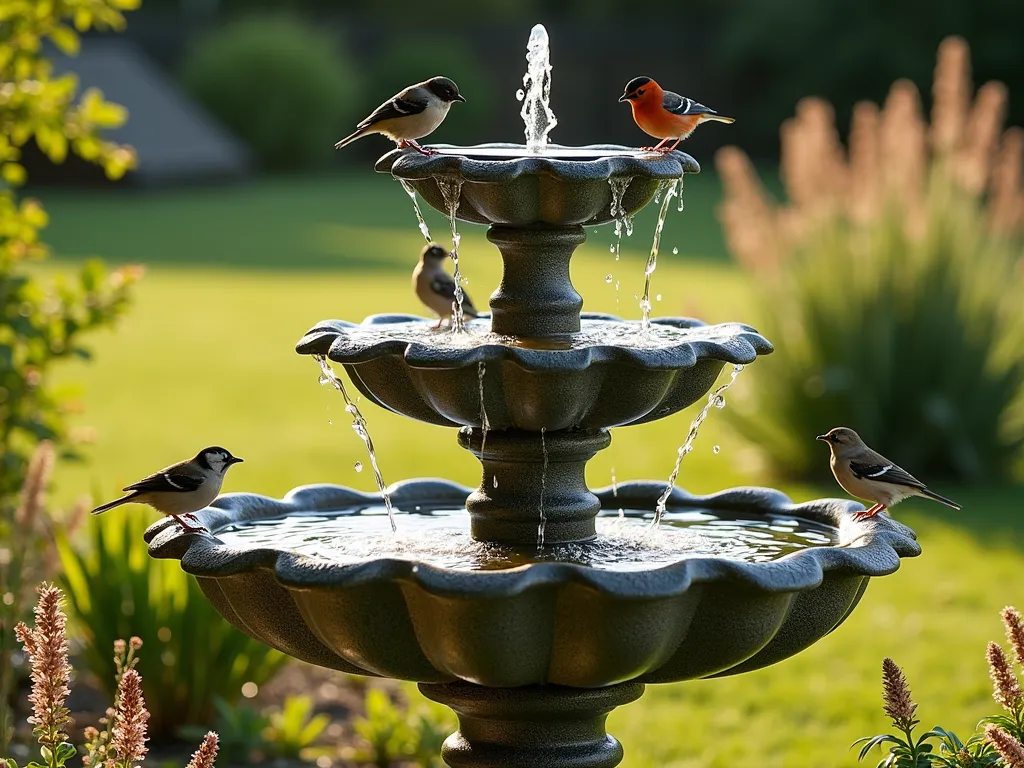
(533, 606)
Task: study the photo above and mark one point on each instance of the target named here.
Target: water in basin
(592, 333)
(440, 537)
(550, 152)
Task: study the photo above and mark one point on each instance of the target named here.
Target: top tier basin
(563, 187)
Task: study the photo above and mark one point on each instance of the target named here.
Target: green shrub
(891, 283)
(395, 732)
(407, 60)
(193, 656)
(43, 323)
(281, 86)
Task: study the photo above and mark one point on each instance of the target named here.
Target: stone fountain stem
(536, 297)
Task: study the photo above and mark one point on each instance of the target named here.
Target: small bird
(868, 475)
(435, 287)
(665, 115)
(410, 114)
(180, 489)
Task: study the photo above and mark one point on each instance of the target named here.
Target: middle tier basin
(609, 374)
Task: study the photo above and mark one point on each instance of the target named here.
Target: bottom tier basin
(728, 583)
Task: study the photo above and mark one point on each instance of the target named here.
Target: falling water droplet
(675, 251)
(330, 422)
(609, 277)
(658, 297)
(716, 449)
(495, 481)
(611, 248)
(358, 466)
(520, 94)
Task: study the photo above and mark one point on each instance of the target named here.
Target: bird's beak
(624, 97)
(459, 97)
(822, 437)
(234, 460)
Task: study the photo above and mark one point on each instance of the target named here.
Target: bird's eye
(640, 93)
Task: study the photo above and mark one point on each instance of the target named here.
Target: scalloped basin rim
(741, 349)
(869, 548)
(607, 160)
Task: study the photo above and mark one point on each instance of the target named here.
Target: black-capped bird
(181, 489)
(665, 115)
(435, 287)
(867, 474)
(411, 114)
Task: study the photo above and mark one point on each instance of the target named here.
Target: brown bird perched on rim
(435, 287)
(410, 114)
(665, 115)
(867, 474)
(181, 489)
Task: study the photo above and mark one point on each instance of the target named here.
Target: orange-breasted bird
(665, 115)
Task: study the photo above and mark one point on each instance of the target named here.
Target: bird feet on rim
(864, 514)
(189, 528)
(410, 144)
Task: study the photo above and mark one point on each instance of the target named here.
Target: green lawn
(238, 274)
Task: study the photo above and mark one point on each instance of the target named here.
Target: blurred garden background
(865, 212)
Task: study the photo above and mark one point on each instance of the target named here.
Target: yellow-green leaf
(65, 38)
(14, 174)
(83, 19)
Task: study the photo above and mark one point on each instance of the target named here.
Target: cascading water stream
(421, 222)
(328, 376)
(670, 191)
(543, 489)
(485, 424)
(451, 189)
(623, 222)
(715, 400)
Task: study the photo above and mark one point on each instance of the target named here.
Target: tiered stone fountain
(536, 625)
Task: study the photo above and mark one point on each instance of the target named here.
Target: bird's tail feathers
(718, 119)
(940, 499)
(357, 134)
(115, 503)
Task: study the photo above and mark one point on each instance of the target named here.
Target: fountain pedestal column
(527, 472)
(536, 297)
(535, 726)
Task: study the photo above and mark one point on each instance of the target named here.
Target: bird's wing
(883, 473)
(680, 105)
(444, 285)
(411, 101)
(167, 481)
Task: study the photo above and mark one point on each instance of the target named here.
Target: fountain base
(532, 726)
